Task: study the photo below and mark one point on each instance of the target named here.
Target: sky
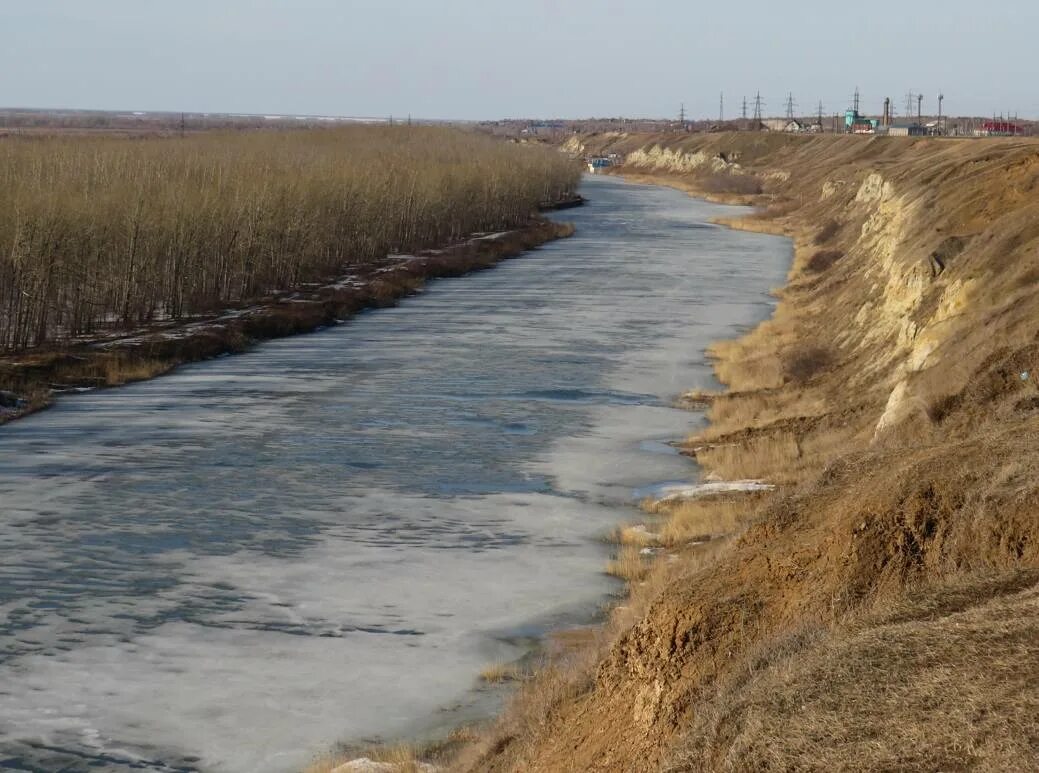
(485, 59)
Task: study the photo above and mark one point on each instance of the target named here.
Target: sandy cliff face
(878, 610)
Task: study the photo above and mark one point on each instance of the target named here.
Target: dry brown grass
(923, 687)
(745, 365)
(532, 711)
(496, 673)
(124, 370)
(770, 458)
(630, 564)
(705, 519)
(638, 535)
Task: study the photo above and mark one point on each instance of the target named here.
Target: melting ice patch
(670, 492)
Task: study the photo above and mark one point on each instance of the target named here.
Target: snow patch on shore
(674, 493)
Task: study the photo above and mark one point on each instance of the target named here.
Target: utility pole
(820, 115)
(790, 106)
(919, 108)
(744, 114)
(721, 107)
(183, 125)
(757, 110)
(909, 105)
(941, 98)
(681, 116)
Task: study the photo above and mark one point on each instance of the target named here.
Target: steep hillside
(878, 609)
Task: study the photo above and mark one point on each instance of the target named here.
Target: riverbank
(30, 380)
(878, 608)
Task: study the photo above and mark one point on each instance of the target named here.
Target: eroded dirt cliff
(878, 609)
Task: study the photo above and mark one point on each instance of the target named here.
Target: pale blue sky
(497, 58)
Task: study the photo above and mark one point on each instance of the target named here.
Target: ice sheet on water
(295, 641)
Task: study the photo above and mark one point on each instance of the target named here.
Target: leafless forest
(107, 232)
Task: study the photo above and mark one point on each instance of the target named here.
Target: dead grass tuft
(629, 565)
(117, 371)
(638, 535)
(496, 673)
(706, 519)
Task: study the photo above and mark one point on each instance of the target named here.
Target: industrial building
(999, 128)
(854, 123)
(904, 130)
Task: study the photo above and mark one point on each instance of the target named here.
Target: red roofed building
(1001, 129)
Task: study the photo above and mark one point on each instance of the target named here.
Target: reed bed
(111, 233)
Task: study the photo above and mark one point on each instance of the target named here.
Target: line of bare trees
(102, 233)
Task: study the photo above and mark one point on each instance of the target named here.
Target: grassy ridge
(105, 232)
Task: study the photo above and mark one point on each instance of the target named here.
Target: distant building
(906, 130)
(1000, 129)
(789, 125)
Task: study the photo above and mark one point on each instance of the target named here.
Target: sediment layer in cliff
(878, 609)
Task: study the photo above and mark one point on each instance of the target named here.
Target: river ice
(233, 567)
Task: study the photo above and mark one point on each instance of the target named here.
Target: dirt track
(878, 610)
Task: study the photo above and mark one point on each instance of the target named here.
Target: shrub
(807, 362)
(827, 232)
(822, 260)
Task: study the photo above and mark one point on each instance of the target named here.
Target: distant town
(905, 117)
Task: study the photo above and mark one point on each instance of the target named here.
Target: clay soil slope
(879, 610)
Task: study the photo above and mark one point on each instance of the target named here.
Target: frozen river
(235, 566)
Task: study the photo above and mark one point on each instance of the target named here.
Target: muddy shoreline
(30, 380)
